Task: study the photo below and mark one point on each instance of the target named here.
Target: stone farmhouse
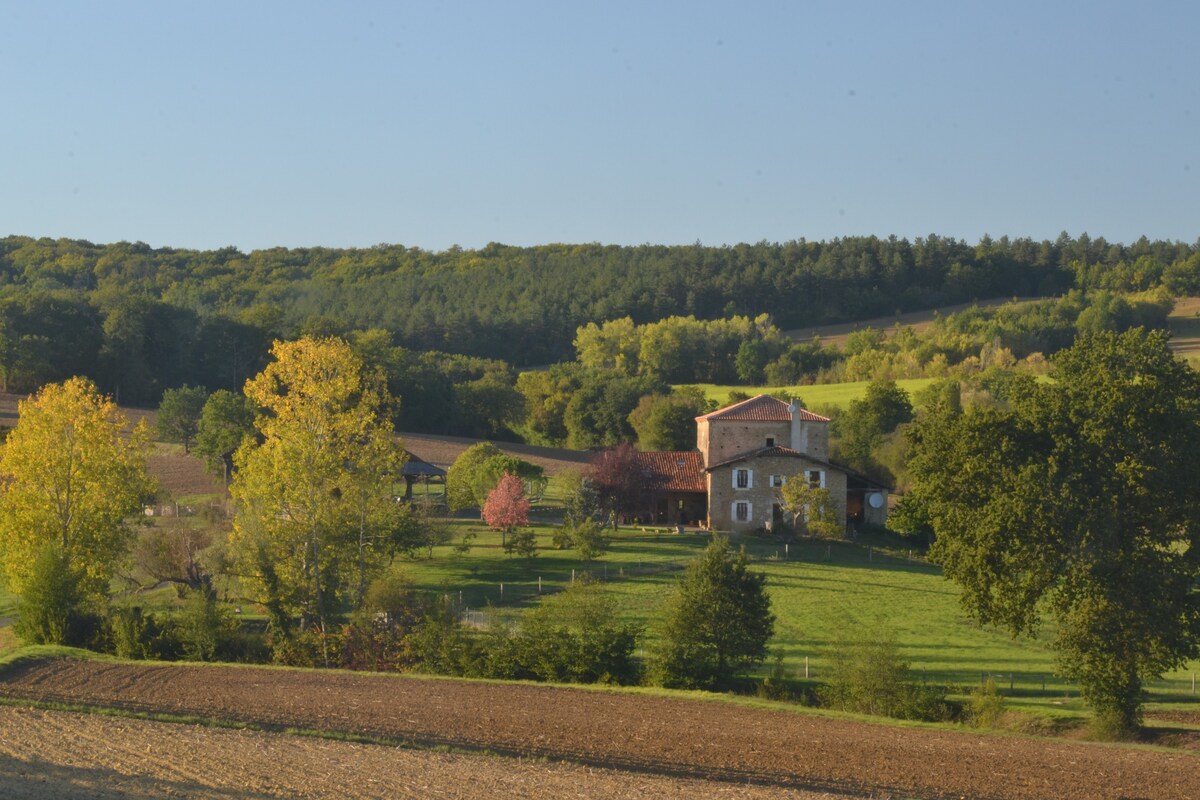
(744, 454)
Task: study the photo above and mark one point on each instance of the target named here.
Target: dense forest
(446, 326)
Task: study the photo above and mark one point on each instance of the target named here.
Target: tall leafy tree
(865, 422)
(617, 479)
(478, 470)
(1078, 501)
(326, 457)
(225, 421)
(179, 415)
(717, 623)
(75, 473)
(668, 422)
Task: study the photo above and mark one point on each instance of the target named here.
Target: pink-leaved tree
(506, 506)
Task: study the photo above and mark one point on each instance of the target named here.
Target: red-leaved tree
(617, 478)
(506, 507)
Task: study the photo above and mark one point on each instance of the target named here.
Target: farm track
(645, 735)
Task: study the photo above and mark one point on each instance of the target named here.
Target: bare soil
(55, 754)
(442, 450)
(636, 733)
(182, 474)
(179, 473)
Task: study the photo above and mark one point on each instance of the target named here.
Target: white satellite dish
(875, 500)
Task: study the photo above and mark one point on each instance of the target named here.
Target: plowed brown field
(641, 734)
(56, 754)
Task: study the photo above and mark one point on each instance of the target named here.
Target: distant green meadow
(827, 395)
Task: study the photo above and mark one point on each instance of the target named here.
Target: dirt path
(641, 734)
(55, 754)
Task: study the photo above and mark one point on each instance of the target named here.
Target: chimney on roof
(799, 438)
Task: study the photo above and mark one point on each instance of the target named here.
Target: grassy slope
(817, 592)
(830, 395)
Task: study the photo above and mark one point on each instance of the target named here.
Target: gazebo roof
(416, 467)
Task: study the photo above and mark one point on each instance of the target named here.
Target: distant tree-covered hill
(523, 304)
(139, 320)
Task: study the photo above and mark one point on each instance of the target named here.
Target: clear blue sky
(258, 124)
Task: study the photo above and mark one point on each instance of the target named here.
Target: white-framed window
(743, 511)
(815, 478)
(743, 479)
(776, 481)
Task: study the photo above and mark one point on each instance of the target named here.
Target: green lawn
(818, 590)
(476, 577)
(827, 395)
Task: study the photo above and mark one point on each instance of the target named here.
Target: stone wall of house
(721, 440)
(760, 494)
(814, 439)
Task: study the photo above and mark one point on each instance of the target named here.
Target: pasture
(817, 396)
(819, 591)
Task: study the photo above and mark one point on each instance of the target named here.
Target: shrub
(562, 538)
(775, 686)
(135, 634)
(204, 628)
(377, 638)
(521, 543)
(868, 676)
(589, 539)
(985, 706)
(572, 637)
(441, 645)
(52, 608)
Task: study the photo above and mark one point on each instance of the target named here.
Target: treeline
(445, 328)
(523, 305)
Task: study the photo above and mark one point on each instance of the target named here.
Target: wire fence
(1047, 684)
(479, 606)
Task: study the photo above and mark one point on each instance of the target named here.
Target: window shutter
(822, 474)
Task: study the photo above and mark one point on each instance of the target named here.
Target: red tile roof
(673, 472)
(762, 408)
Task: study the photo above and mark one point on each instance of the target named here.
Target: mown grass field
(819, 591)
(829, 395)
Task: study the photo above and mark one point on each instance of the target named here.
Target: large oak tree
(1080, 500)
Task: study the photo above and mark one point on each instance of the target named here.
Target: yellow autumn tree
(74, 473)
(315, 511)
